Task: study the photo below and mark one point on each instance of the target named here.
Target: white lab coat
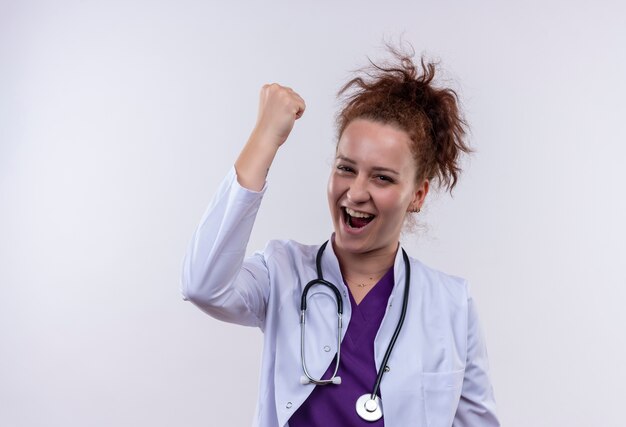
(438, 368)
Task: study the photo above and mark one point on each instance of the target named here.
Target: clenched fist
(279, 108)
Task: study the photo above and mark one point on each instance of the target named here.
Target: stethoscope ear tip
(337, 380)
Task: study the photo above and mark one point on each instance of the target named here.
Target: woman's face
(372, 187)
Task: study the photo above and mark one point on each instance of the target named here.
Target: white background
(118, 119)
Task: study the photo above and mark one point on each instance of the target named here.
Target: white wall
(119, 118)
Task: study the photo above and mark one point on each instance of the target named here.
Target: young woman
(407, 349)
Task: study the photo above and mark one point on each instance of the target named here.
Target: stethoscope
(368, 406)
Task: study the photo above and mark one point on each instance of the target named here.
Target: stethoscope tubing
(392, 343)
(339, 301)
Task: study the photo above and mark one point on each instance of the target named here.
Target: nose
(358, 191)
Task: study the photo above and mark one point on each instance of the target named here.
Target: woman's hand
(279, 108)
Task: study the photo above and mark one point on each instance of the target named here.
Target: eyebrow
(375, 168)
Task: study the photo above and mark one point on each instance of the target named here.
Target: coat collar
(332, 271)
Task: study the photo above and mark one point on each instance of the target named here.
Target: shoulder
(437, 285)
(284, 249)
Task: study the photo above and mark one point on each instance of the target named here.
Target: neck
(369, 264)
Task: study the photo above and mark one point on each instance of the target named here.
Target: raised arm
(215, 276)
(279, 108)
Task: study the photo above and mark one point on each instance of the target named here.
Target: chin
(351, 244)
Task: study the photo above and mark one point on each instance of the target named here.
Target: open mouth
(356, 219)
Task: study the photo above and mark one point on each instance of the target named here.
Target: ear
(419, 196)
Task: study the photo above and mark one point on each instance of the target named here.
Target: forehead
(376, 144)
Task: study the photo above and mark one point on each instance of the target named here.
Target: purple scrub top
(335, 405)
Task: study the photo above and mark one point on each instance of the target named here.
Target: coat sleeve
(215, 275)
(477, 405)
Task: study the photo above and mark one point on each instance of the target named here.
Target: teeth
(357, 214)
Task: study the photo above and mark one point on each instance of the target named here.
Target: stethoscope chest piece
(369, 409)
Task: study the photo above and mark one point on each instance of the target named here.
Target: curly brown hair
(405, 96)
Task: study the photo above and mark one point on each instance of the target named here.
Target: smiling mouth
(355, 219)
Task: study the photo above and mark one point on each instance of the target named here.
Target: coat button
(326, 348)
(288, 405)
